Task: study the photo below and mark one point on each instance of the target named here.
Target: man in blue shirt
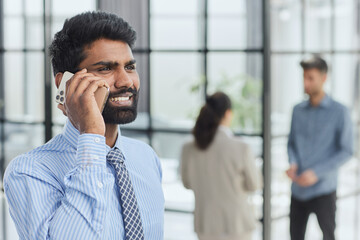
(68, 188)
(320, 141)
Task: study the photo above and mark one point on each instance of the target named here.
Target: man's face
(313, 81)
(113, 61)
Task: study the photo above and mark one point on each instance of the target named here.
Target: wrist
(91, 150)
(92, 131)
(99, 130)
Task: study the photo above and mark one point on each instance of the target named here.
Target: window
(197, 48)
(298, 29)
(22, 81)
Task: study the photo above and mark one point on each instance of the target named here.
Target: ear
(324, 77)
(58, 78)
(229, 112)
(62, 108)
(228, 116)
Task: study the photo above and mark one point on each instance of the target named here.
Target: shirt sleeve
(42, 209)
(344, 147)
(158, 165)
(291, 142)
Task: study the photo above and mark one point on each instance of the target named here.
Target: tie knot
(115, 156)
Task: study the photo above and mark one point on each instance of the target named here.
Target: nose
(123, 80)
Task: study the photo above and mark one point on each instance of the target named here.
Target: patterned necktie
(130, 210)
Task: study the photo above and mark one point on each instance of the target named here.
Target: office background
(186, 49)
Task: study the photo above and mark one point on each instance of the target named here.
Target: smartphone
(101, 94)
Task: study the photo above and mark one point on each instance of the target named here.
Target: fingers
(72, 84)
(294, 167)
(83, 85)
(94, 85)
(301, 181)
(306, 179)
(292, 172)
(291, 175)
(80, 104)
(304, 183)
(79, 82)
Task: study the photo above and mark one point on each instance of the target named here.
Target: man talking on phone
(89, 182)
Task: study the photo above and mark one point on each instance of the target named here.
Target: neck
(225, 122)
(111, 134)
(316, 98)
(224, 125)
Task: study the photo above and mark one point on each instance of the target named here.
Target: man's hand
(80, 105)
(307, 178)
(291, 172)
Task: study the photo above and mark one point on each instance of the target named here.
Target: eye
(130, 67)
(104, 69)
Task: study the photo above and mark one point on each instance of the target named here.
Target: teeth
(124, 97)
(119, 99)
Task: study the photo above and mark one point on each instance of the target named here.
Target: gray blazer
(221, 177)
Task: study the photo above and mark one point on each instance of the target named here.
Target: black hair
(209, 118)
(80, 31)
(315, 62)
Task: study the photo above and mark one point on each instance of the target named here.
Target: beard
(121, 115)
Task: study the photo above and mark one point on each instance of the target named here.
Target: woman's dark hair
(80, 31)
(209, 118)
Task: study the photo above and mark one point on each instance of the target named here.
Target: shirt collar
(226, 130)
(325, 102)
(117, 143)
(71, 135)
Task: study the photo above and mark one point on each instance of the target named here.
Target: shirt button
(99, 184)
(97, 139)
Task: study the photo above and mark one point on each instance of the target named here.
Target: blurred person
(90, 182)
(221, 171)
(320, 141)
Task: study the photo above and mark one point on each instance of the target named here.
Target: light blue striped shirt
(66, 190)
(320, 139)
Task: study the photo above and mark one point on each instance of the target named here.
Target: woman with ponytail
(221, 171)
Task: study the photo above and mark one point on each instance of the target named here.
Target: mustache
(134, 91)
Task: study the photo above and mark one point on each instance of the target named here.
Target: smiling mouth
(122, 99)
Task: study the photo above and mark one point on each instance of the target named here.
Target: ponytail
(209, 119)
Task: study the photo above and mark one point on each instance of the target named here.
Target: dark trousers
(324, 208)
